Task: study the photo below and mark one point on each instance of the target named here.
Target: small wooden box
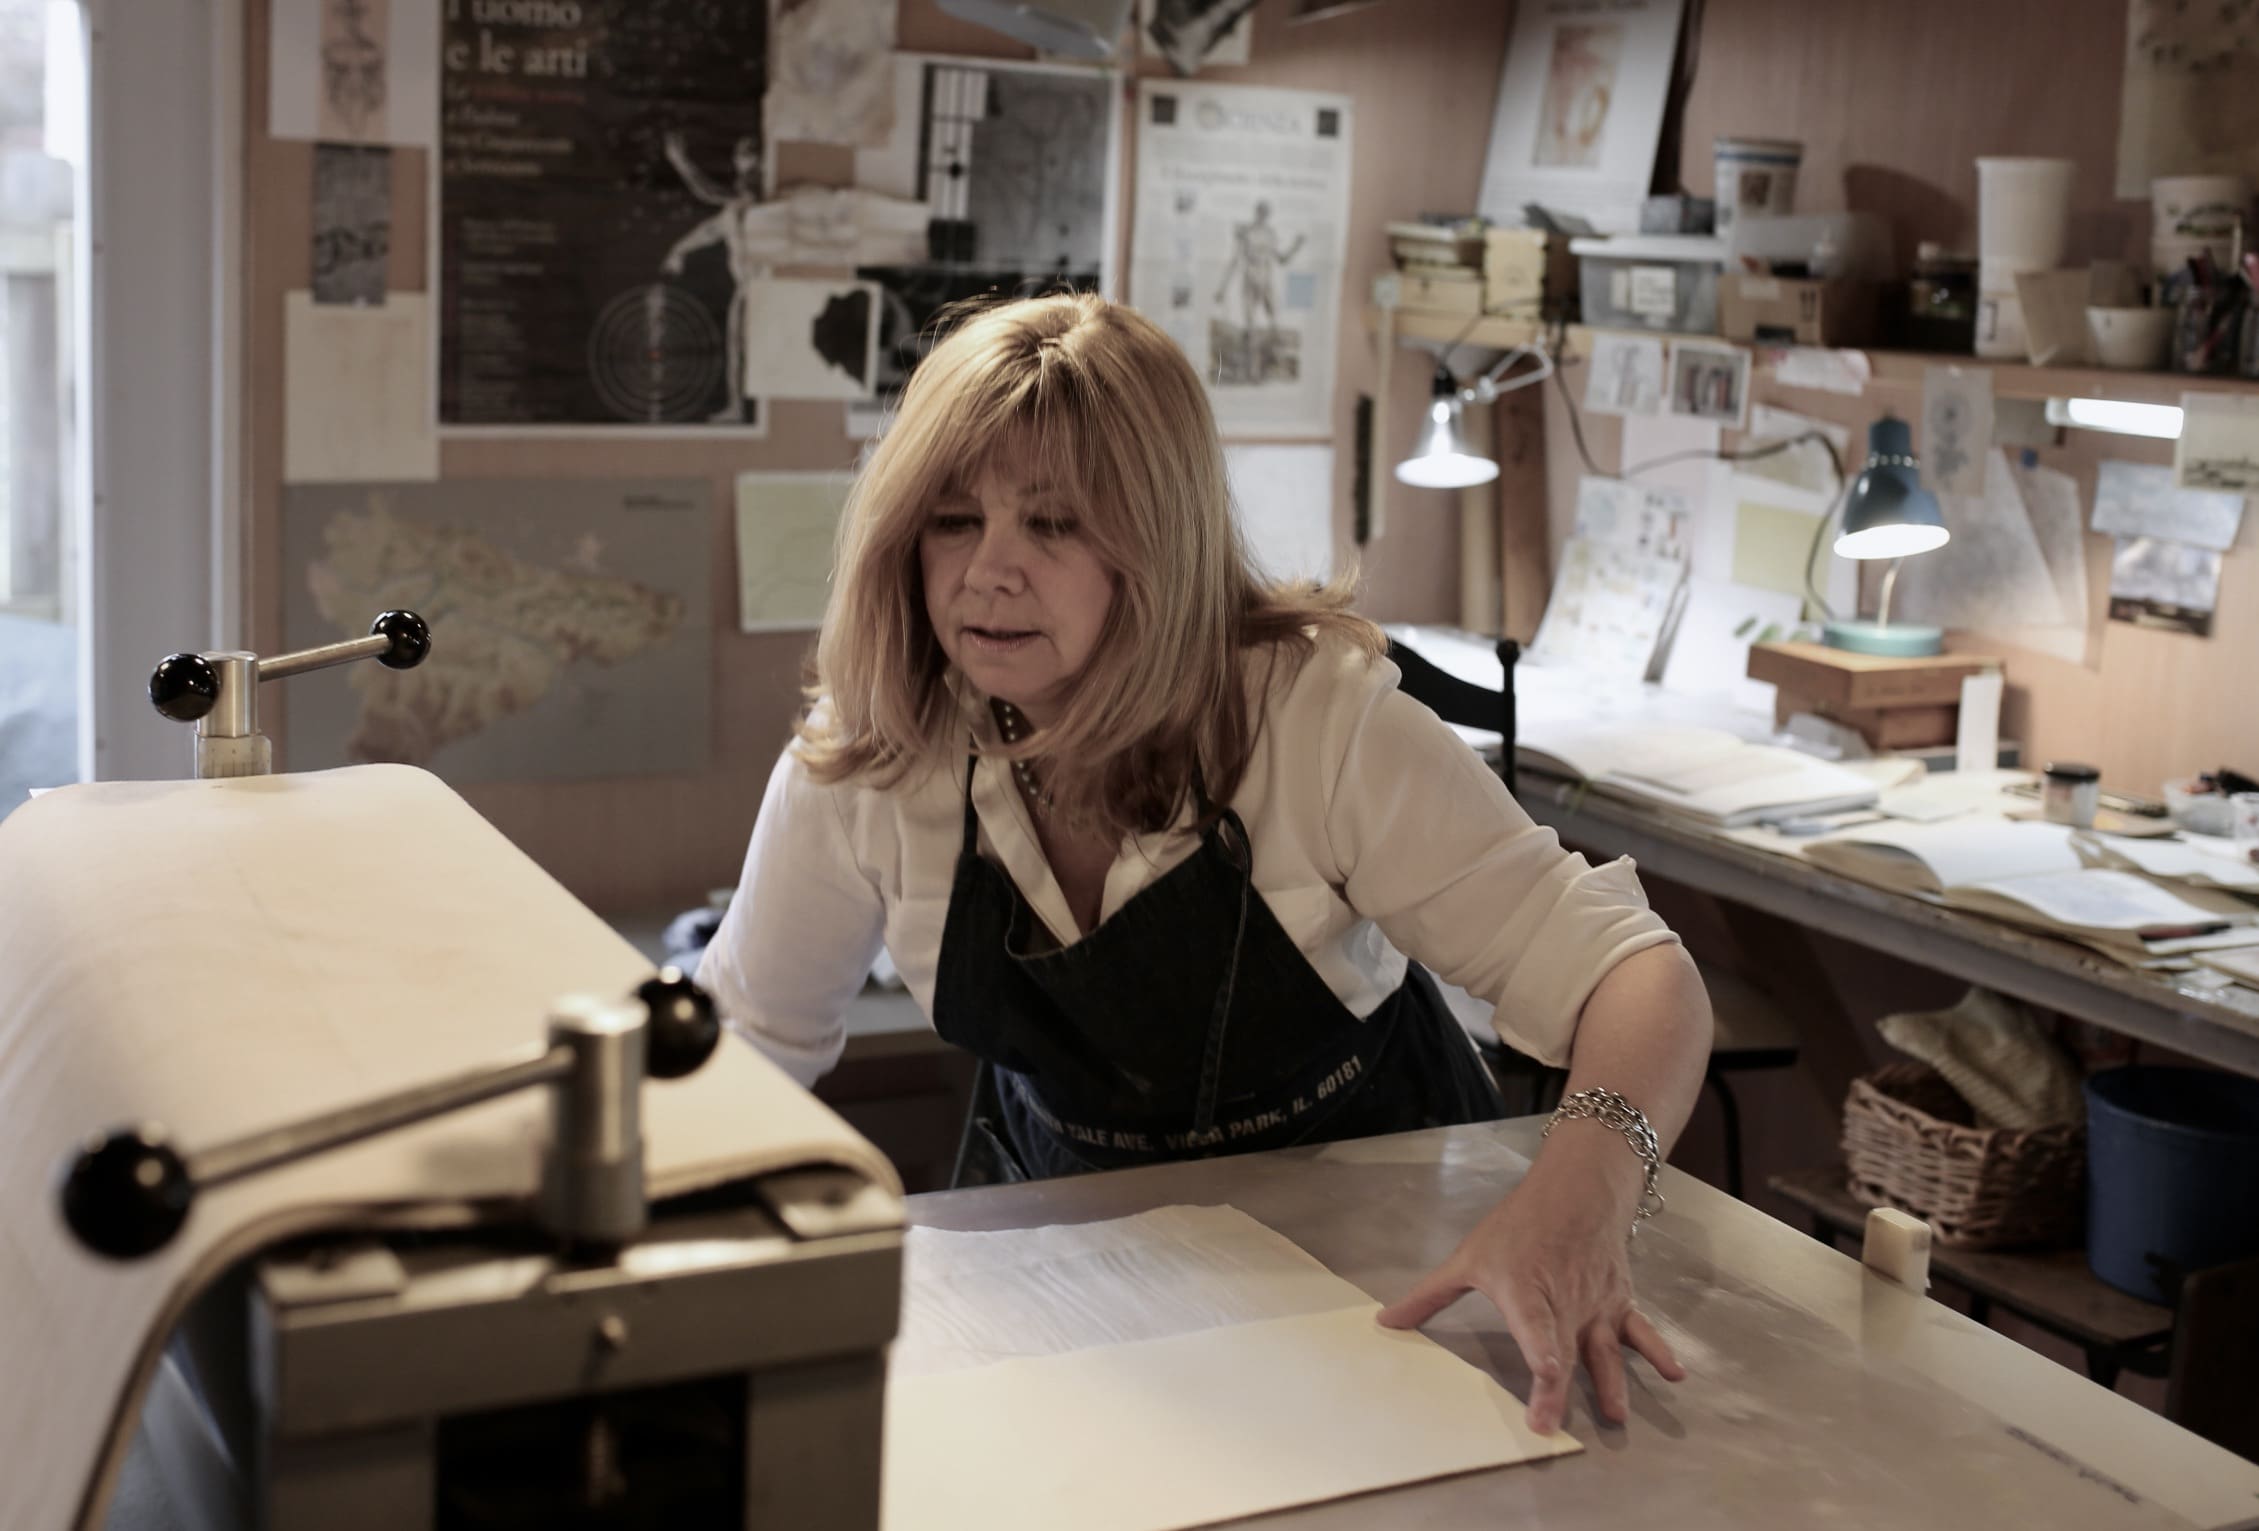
(1802, 311)
(1924, 726)
(1837, 678)
(1440, 292)
(1523, 269)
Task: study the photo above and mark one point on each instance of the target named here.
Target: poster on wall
(570, 625)
(600, 214)
(1009, 170)
(2190, 102)
(1580, 110)
(1240, 227)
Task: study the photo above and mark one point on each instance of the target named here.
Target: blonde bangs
(1095, 400)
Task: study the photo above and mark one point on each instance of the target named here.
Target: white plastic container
(2000, 312)
(2200, 207)
(1650, 282)
(2023, 211)
(1756, 175)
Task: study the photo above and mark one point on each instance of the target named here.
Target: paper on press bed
(1195, 1362)
(223, 956)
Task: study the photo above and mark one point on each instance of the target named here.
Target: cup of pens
(2208, 322)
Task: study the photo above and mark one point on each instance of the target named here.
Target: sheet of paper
(2051, 500)
(1579, 111)
(2175, 861)
(1957, 851)
(1673, 452)
(1624, 376)
(1238, 242)
(354, 71)
(2240, 964)
(2168, 585)
(357, 391)
(1653, 520)
(808, 339)
(1803, 469)
(2093, 899)
(352, 222)
(1193, 1429)
(1192, 34)
(787, 530)
(1952, 794)
(1844, 372)
(1956, 428)
(1284, 497)
(1713, 635)
(1608, 608)
(2190, 70)
(2139, 500)
(1991, 573)
(976, 1298)
(1710, 381)
(1976, 739)
(2054, 305)
(831, 71)
(2219, 443)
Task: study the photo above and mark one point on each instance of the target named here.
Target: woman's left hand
(1553, 1257)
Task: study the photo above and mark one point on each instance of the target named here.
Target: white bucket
(2198, 207)
(2000, 312)
(2024, 210)
(1756, 175)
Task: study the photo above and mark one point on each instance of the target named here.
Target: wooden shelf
(1894, 371)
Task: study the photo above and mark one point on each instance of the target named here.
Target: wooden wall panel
(1421, 73)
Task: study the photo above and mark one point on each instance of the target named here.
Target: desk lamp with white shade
(1888, 514)
(1441, 457)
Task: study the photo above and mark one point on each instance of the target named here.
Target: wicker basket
(1908, 1142)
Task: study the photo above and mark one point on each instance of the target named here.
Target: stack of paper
(1702, 773)
(2046, 877)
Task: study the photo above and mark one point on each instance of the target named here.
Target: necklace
(1015, 728)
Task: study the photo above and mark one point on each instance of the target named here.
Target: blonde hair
(1092, 395)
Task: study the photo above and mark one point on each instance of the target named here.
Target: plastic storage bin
(2172, 1175)
(1651, 282)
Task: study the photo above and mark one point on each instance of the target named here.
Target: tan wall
(1421, 73)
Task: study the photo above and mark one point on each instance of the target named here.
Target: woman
(1154, 837)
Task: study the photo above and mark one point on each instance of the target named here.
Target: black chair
(1751, 1031)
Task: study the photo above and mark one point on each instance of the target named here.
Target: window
(42, 139)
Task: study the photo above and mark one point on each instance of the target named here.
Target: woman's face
(1014, 590)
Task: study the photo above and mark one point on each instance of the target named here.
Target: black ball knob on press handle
(684, 1028)
(411, 639)
(184, 687)
(127, 1194)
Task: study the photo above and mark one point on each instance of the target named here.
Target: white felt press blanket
(223, 956)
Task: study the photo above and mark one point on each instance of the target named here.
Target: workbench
(1821, 1394)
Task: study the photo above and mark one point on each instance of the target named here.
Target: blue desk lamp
(1888, 514)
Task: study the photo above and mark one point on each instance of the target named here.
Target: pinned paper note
(1845, 372)
(787, 525)
(357, 391)
(1625, 376)
(2051, 501)
(2139, 500)
(1956, 428)
(2168, 585)
(1651, 519)
(1609, 608)
(354, 71)
(1806, 467)
(1710, 381)
(1992, 573)
(1284, 499)
(2219, 443)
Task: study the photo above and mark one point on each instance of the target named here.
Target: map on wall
(570, 622)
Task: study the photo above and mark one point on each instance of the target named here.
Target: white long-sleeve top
(1377, 833)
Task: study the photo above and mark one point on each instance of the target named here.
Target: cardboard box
(1439, 292)
(1884, 728)
(1526, 269)
(1840, 679)
(1800, 311)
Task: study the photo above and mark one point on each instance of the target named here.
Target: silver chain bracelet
(1617, 1114)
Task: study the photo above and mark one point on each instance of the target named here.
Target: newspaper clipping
(1241, 214)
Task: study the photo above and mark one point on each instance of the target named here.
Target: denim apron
(1186, 1025)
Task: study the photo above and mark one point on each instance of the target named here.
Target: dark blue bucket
(2172, 1175)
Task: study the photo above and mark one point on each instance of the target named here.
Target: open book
(2043, 876)
(1704, 773)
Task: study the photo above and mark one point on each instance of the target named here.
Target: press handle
(126, 1194)
(186, 687)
